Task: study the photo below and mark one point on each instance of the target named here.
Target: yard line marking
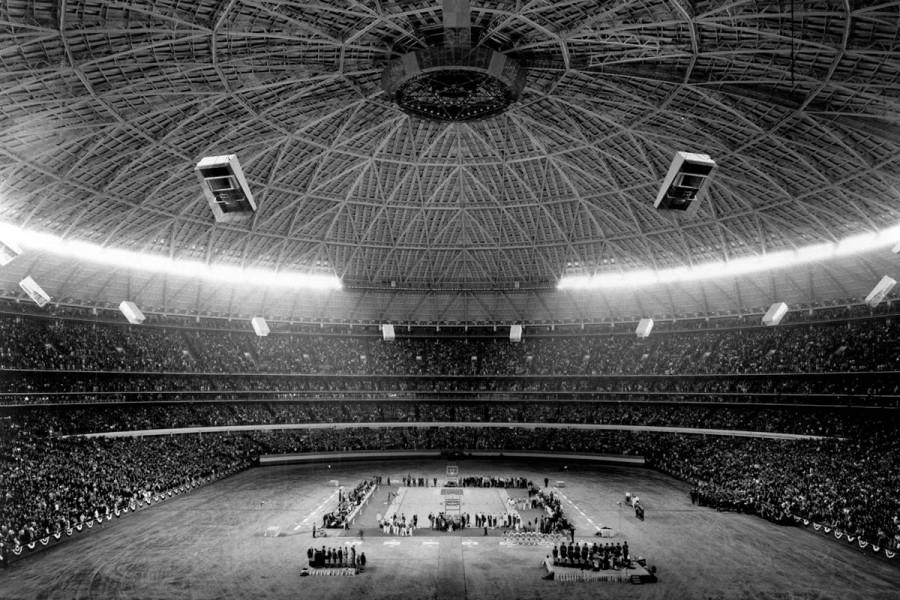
(317, 509)
(469, 543)
(583, 514)
(429, 543)
(391, 543)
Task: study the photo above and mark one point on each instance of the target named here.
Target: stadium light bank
(856, 244)
(127, 259)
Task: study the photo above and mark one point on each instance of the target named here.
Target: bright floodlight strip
(751, 264)
(317, 281)
(160, 264)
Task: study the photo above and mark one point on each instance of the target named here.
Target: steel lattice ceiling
(108, 105)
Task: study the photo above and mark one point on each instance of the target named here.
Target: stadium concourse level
(51, 359)
(55, 387)
(78, 419)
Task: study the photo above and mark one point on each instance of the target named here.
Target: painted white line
(429, 543)
(583, 514)
(469, 543)
(391, 543)
(316, 510)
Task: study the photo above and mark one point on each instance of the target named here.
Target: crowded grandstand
(828, 381)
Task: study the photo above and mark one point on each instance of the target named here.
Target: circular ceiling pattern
(454, 86)
(108, 105)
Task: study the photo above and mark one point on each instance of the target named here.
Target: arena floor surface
(211, 544)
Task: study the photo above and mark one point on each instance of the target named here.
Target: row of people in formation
(321, 558)
(604, 556)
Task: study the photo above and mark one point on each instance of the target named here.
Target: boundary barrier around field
(19, 552)
(311, 457)
(853, 541)
(447, 424)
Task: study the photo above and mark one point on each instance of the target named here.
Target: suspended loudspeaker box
(34, 291)
(225, 188)
(775, 314)
(645, 326)
(685, 183)
(515, 333)
(131, 312)
(880, 291)
(387, 332)
(260, 327)
(8, 251)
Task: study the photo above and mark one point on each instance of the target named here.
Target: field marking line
(583, 514)
(317, 509)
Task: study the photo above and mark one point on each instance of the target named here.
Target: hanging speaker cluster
(9, 250)
(131, 312)
(34, 291)
(260, 327)
(880, 291)
(775, 314)
(454, 82)
(225, 188)
(644, 327)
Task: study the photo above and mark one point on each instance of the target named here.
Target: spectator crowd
(53, 478)
(71, 345)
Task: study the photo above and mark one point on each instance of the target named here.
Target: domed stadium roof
(534, 148)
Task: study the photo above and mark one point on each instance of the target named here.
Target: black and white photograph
(449, 299)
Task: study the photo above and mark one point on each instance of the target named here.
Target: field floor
(210, 544)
